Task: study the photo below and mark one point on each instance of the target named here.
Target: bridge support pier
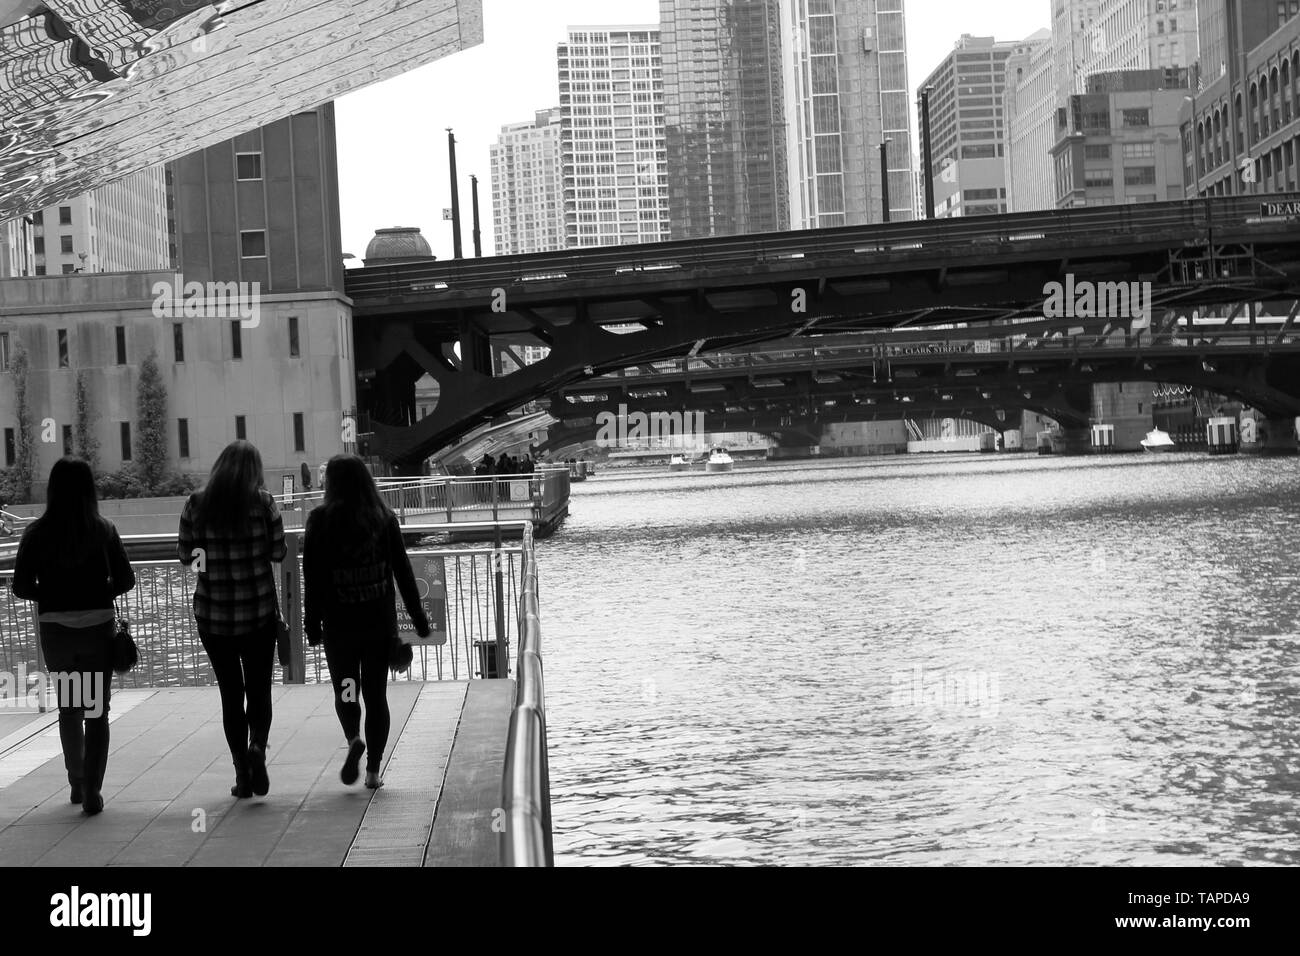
(1262, 435)
(1073, 441)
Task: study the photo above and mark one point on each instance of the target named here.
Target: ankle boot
(242, 788)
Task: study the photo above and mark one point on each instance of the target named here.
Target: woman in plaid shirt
(231, 534)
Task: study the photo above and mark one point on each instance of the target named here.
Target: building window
(252, 244)
(1139, 175)
(4, 351)
(65, 215)
(38, 245)
(183, 437)
(295, 349)
(63, 348)
(1137, 117)
(67, 439)
(124, 431)
(248, 165)
(121, 344)
(178, 341)
(241, 428)
(236, 340)
(299, 433)
(11, 447)
(65, 244)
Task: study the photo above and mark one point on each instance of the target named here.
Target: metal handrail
(525, 785)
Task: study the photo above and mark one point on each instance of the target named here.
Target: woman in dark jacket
(231, 533)
(71, 562)
(352, 552)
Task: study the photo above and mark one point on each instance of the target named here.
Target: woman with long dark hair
(231, 533)
(71, 562)
(352, 552)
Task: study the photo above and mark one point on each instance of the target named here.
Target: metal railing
(526, 783)
(482, 603)
(536, 496)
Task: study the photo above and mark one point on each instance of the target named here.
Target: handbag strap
(103, 547)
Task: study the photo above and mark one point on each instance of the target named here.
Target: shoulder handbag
(125, 653)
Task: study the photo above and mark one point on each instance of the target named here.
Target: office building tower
(1140, 35)
(612, 141)
(847, 92)
(967, 132)
(527, 188)
(724, 117)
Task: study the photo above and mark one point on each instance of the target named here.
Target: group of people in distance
(72, 563)
(505, 465)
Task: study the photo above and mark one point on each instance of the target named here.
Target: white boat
(1158, 440)
(718, 460)
(679, 463)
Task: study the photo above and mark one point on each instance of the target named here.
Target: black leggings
(80, 662)
(244, 665)
(359, 661)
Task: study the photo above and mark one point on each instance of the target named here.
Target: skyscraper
(1140, 35)
(846, 68)
(724, 117)
(967, 132)
(17, 248)
(121, 227)
(527, 188)
(612, 140)
(1029, 115)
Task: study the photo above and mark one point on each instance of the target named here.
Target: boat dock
(466, 773)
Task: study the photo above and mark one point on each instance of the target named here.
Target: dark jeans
(80, 663)
(244, 665)
(358, 661)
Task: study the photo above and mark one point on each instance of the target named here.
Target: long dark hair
(353, 509)
(233, 490)
(71, 527)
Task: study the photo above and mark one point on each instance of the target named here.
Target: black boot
(242, 788)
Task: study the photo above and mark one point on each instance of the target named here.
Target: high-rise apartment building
(121, 227)
(1072, 42)
(1029, 115)
(613, 152)
(724, 117)
(846, 93)
(967, 131)
(527, 187)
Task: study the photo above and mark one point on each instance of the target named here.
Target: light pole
(927, 155)
(1196, 149)
(456, 250)
(884, 177)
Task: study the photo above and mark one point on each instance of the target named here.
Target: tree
(24, 447)
(85, 444)
(151, 423)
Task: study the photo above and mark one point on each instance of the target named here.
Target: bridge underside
(597, 313)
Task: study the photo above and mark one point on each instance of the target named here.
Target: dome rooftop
(399, 244)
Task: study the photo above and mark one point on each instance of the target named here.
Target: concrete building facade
(121, 227)
(612, 138)
(1029, 115)
(18, 248)
(527, 187)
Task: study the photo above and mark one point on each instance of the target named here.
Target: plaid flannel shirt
(235, 593)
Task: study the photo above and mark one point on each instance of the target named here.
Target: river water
(974, 660)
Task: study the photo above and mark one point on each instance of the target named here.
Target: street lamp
(928, 156)
(884, 177)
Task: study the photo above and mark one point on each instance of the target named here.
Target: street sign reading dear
(1287, 208)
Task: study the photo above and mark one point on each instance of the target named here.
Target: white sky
(392, 136)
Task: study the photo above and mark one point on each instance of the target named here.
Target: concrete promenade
(167, 792)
